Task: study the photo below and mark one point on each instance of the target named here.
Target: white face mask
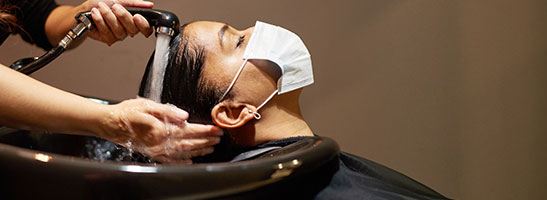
(286, 50)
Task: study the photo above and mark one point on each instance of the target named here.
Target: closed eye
(240, 40)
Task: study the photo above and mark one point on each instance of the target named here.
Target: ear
(230, 115)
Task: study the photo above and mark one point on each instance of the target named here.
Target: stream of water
(155, 76)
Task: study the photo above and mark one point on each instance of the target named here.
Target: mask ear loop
(233, 81)
(255, 114)
(258, 115)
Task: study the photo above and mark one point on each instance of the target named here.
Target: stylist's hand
(159, 131)
(113, 22)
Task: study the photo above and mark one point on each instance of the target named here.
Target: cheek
(257, 81)
(221, 69)
(227, 63)
(233, 62)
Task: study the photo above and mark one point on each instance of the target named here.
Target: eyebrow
(221, 33)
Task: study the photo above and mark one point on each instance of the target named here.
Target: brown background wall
(450, 93)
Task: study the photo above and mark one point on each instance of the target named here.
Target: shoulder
(32, 16)
(31, 5)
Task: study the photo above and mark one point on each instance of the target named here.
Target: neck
(278, 121)
(277, 124)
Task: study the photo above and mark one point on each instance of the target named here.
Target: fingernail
(137, 18)
(181, 112)
(94, 11)
(140, 17)
(149, 3)
(116, 7)
(102, 5)
(217, 131)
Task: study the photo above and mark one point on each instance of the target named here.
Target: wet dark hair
(183, 85)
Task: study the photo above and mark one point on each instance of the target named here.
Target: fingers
(136, 3)
(150, 131)
(143, 25)
(181, 145)
(192, 130)
(197, 152)
(167, 160)
(166, 113)
(171, 149)
(163, 153)
(105, 34)
(126, 19)
(160, 130)
(184, 155)
(112, 21)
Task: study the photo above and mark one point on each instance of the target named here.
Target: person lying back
(248, 82)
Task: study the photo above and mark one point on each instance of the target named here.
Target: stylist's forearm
(26, 103)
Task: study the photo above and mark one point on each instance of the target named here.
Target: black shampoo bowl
(31, 170)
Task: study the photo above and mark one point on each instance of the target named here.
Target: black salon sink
(37, 165)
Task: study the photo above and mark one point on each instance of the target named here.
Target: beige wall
(450, 93)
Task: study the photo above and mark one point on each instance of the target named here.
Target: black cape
(353, 177)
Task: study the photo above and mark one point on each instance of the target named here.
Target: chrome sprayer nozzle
(165, 30)
(76, 31)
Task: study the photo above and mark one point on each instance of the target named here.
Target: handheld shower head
(164, 22)
(159, 19)
(156, 19)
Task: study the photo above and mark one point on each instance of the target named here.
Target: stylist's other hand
(113, 22)
(159, 131)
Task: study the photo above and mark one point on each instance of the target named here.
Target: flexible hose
(42, 61)
(164, 21)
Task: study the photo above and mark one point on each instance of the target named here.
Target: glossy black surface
(44, 165)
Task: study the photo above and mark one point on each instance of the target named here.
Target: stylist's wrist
(110, 125)
(102, 122)
(126, 121)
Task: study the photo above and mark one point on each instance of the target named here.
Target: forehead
(204, 33)
(219, 65)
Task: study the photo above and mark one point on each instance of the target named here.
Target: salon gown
(349, 177)
(31, 16)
